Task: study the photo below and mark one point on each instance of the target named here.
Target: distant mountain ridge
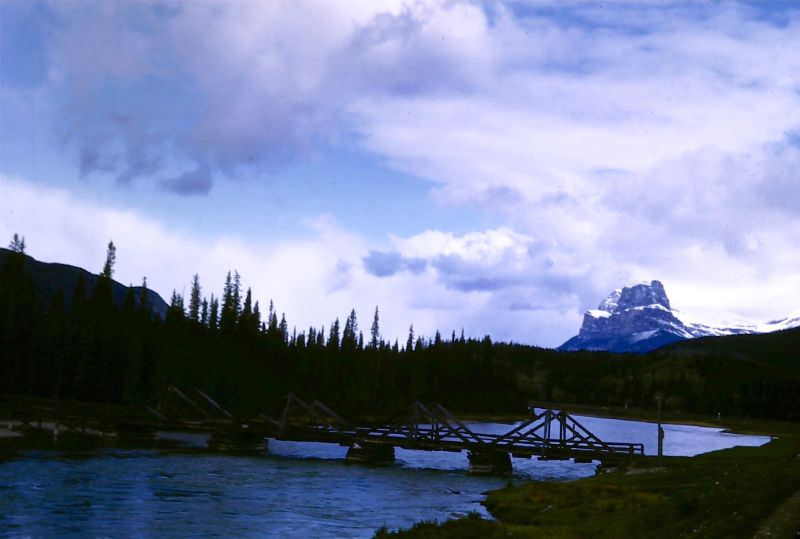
(640, 318)
(51, 278)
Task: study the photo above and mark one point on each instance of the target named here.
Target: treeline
(92, 349)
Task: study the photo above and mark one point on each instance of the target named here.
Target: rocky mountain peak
(639, 318)
(642, 295)
(635, 318)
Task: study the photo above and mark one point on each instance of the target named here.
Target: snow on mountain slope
(639, 318)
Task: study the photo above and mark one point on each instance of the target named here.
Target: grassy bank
(727, 494)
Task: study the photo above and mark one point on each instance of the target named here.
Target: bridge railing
(435, 428)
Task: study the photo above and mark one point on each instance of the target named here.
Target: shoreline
(643, 489)
(731, 425)
(721, 493)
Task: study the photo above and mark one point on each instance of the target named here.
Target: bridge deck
(549, 433)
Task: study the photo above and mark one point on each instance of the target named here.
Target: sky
(493, 166)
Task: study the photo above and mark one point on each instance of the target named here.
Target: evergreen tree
(194, 300)
(272, 320)
(375, 334)
(350, 333)
(102, 297)
(321, 335)
(213, 313)
(111, 259)
(175, 312)
(20, 313)
(256, 322)
(246, 316)
(17, 244)
(410, 341)
(237, 296)
(283, 328)
(204, 312)
(333, 337)
(231, 303)
(144, 300)
(312, 336)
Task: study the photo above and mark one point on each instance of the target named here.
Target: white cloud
(657, 153)
(618, 143)
(297, 274)
(312, 280)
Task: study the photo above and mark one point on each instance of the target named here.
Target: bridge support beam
(367, 453)
(489, 463)
(238, 438)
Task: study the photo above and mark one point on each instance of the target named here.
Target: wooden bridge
(548, 435)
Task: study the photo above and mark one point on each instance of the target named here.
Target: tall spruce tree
(231, 303)
(410, 341)
(350, 333)
(102, 297)
(204, 312)
(246, 316)
(375, 331)
(333, 337)
(213, 313)
(283, 328)
(111, 259)
(194, 300)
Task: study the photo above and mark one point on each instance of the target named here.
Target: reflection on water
(299, 490)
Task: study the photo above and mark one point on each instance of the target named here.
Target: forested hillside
(90, 348)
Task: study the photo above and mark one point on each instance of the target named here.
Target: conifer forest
(83, 345)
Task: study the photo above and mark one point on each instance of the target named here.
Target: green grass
(726, 494)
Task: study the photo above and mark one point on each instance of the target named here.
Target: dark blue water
(298, 490)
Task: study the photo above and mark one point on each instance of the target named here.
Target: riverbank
(732, 493)
(614, 412)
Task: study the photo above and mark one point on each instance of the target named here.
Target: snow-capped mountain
(639, 318)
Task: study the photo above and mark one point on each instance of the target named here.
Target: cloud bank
(618, 142)
(313, 281)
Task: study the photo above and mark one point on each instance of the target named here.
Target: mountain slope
(639, 318)
(632, 319)
(51, 278)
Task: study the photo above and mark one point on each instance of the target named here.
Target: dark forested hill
(51, 278)
(100, 341)
(777, 349)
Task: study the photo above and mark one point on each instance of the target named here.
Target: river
(297, 490)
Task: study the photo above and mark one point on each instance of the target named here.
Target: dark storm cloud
(388, 263)
(225, 86)
(194, 182)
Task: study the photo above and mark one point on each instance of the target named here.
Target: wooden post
(660, 430)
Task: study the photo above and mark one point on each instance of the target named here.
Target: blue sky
(496, 166)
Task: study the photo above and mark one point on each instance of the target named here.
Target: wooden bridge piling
(369, 453)
(489, 463)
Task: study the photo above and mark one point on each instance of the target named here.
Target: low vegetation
(729, 494)
(92, 347)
